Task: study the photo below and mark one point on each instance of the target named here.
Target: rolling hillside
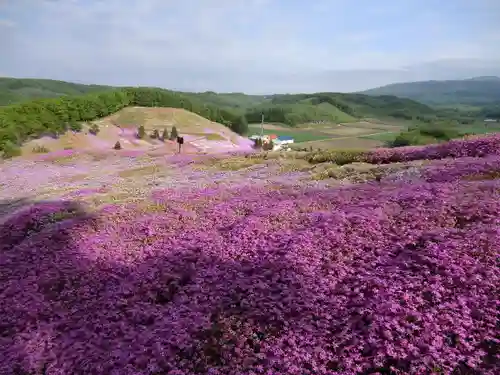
(289, 109)
(235, 101)
(478, 91)
(57, 106)
(201, 135)
(15, 90)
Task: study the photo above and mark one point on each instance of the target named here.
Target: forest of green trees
(54, 116)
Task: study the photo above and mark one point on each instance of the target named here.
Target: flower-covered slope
(260, 276)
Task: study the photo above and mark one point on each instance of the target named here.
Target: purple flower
(256, 277)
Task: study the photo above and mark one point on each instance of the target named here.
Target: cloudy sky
(253, 46)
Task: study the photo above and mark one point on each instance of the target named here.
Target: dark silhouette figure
(180, 142)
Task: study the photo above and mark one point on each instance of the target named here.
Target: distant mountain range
(477, 91)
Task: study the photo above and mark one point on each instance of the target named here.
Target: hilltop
(478, 91)
(201, 135)
(62, 117)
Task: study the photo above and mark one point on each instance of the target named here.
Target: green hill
(341, 107)
(478, 91)
(55, 116)
(235, 101)
(290, 109)
(15, 90)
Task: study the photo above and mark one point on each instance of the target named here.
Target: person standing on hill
(180, 142)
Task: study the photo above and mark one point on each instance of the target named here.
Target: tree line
(290, 114)
(54, 116)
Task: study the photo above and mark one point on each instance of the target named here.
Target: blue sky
(255, 46)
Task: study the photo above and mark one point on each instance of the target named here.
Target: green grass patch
(131, 117)
(297, 135)
(209, 136)
(383, 137)
(480, 128)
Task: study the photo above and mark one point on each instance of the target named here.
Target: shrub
(240, 126)
(155, 134)
(424, 135)
(40, 149)
(117, 145)
(339, 157)
(257, 143)
(94, 129)
(164, 135)
(268, 146)
(10, 150)
(174, 134)
(439, 132)
(141, 132)
(75, 126)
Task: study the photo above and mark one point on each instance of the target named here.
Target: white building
(282, 142)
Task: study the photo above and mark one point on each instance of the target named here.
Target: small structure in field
(282, 142)
(273, 141)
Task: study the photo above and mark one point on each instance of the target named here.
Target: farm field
(299, 135)
(202, 257)
(341, 144)
(481, 128)
(357, 135)
(383, 137)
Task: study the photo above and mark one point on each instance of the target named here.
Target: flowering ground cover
(230, 266)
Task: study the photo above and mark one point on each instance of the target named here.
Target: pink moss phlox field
(448, 170)
(366, 279)
(132, 153)
(57, 154)
(468, 147)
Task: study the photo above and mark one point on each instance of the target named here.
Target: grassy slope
(326, 111)
(158, 118)
(472, 92)
(187, 123)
